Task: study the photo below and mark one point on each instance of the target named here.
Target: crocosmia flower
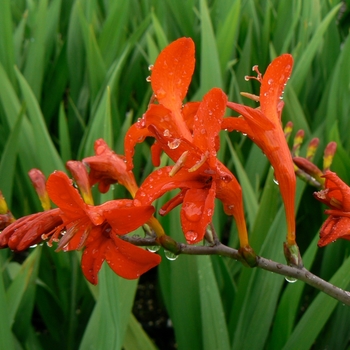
(77, 225)
(107, 167)
(263, 126)
(189, 135)
(97, 228)
(336, 196)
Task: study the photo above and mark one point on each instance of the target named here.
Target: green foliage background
(74, 71)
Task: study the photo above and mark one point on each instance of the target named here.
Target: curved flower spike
(336, 195)
(263, 126)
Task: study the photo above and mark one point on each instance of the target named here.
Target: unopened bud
(39, 182)
(298, 140)
(81, 178)
(328, 156)
(288, 130)
(312, 148)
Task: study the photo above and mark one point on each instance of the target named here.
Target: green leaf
(35, 66)
(7, 57)
(210, 71)
(48, 157)
(136, 338)
(317, 314)
(215, 334)
(8, 160)
(6, 337)
(109, 321)
(303, 64)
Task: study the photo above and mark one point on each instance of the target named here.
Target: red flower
(197, 172)
(76, 225)
(97, 229)
(189, 136)
(170, 79)
(263, 126)
(336, 195)
(107, 168)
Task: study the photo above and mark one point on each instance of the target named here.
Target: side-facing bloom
(263, 126)
(97, 228)
(336, 196)
(77, 225)
(107, 167)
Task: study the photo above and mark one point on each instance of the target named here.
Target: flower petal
(106, 167)
(127, 219)
(334, 228)
(93, 257)
(65, 196)
(172, 73)
(160, 182)
(27, 231)
(207, 123)
(127, 260)
(273, 84)
(196, 213)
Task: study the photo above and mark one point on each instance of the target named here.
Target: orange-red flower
(189, 135)
(263, 126)
(107, 168)
(97, 229)
(77, 225)
(170, 79)
(336, 196)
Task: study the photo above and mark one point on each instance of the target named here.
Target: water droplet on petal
(170, 256)
(191, 236)
(150, 67)
(174, 144)
(160, 94)
(290, 279)
(270, 81)
(148, 79)
(166, 133)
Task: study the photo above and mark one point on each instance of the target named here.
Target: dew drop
(170, 256)
(160, 93)
(191, 236)
(275, 181)
(166, 133)
(148, 79)
(153, 248)
(290, 279)
(150, 67)
(270, 81)
(174, 144)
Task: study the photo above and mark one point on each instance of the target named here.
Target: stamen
(179, 164)
(204, 157)
(251, 96)
(259, 75)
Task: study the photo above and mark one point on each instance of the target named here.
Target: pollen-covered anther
(204, 157)
(179, 164)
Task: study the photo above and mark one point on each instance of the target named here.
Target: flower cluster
(188, 133)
